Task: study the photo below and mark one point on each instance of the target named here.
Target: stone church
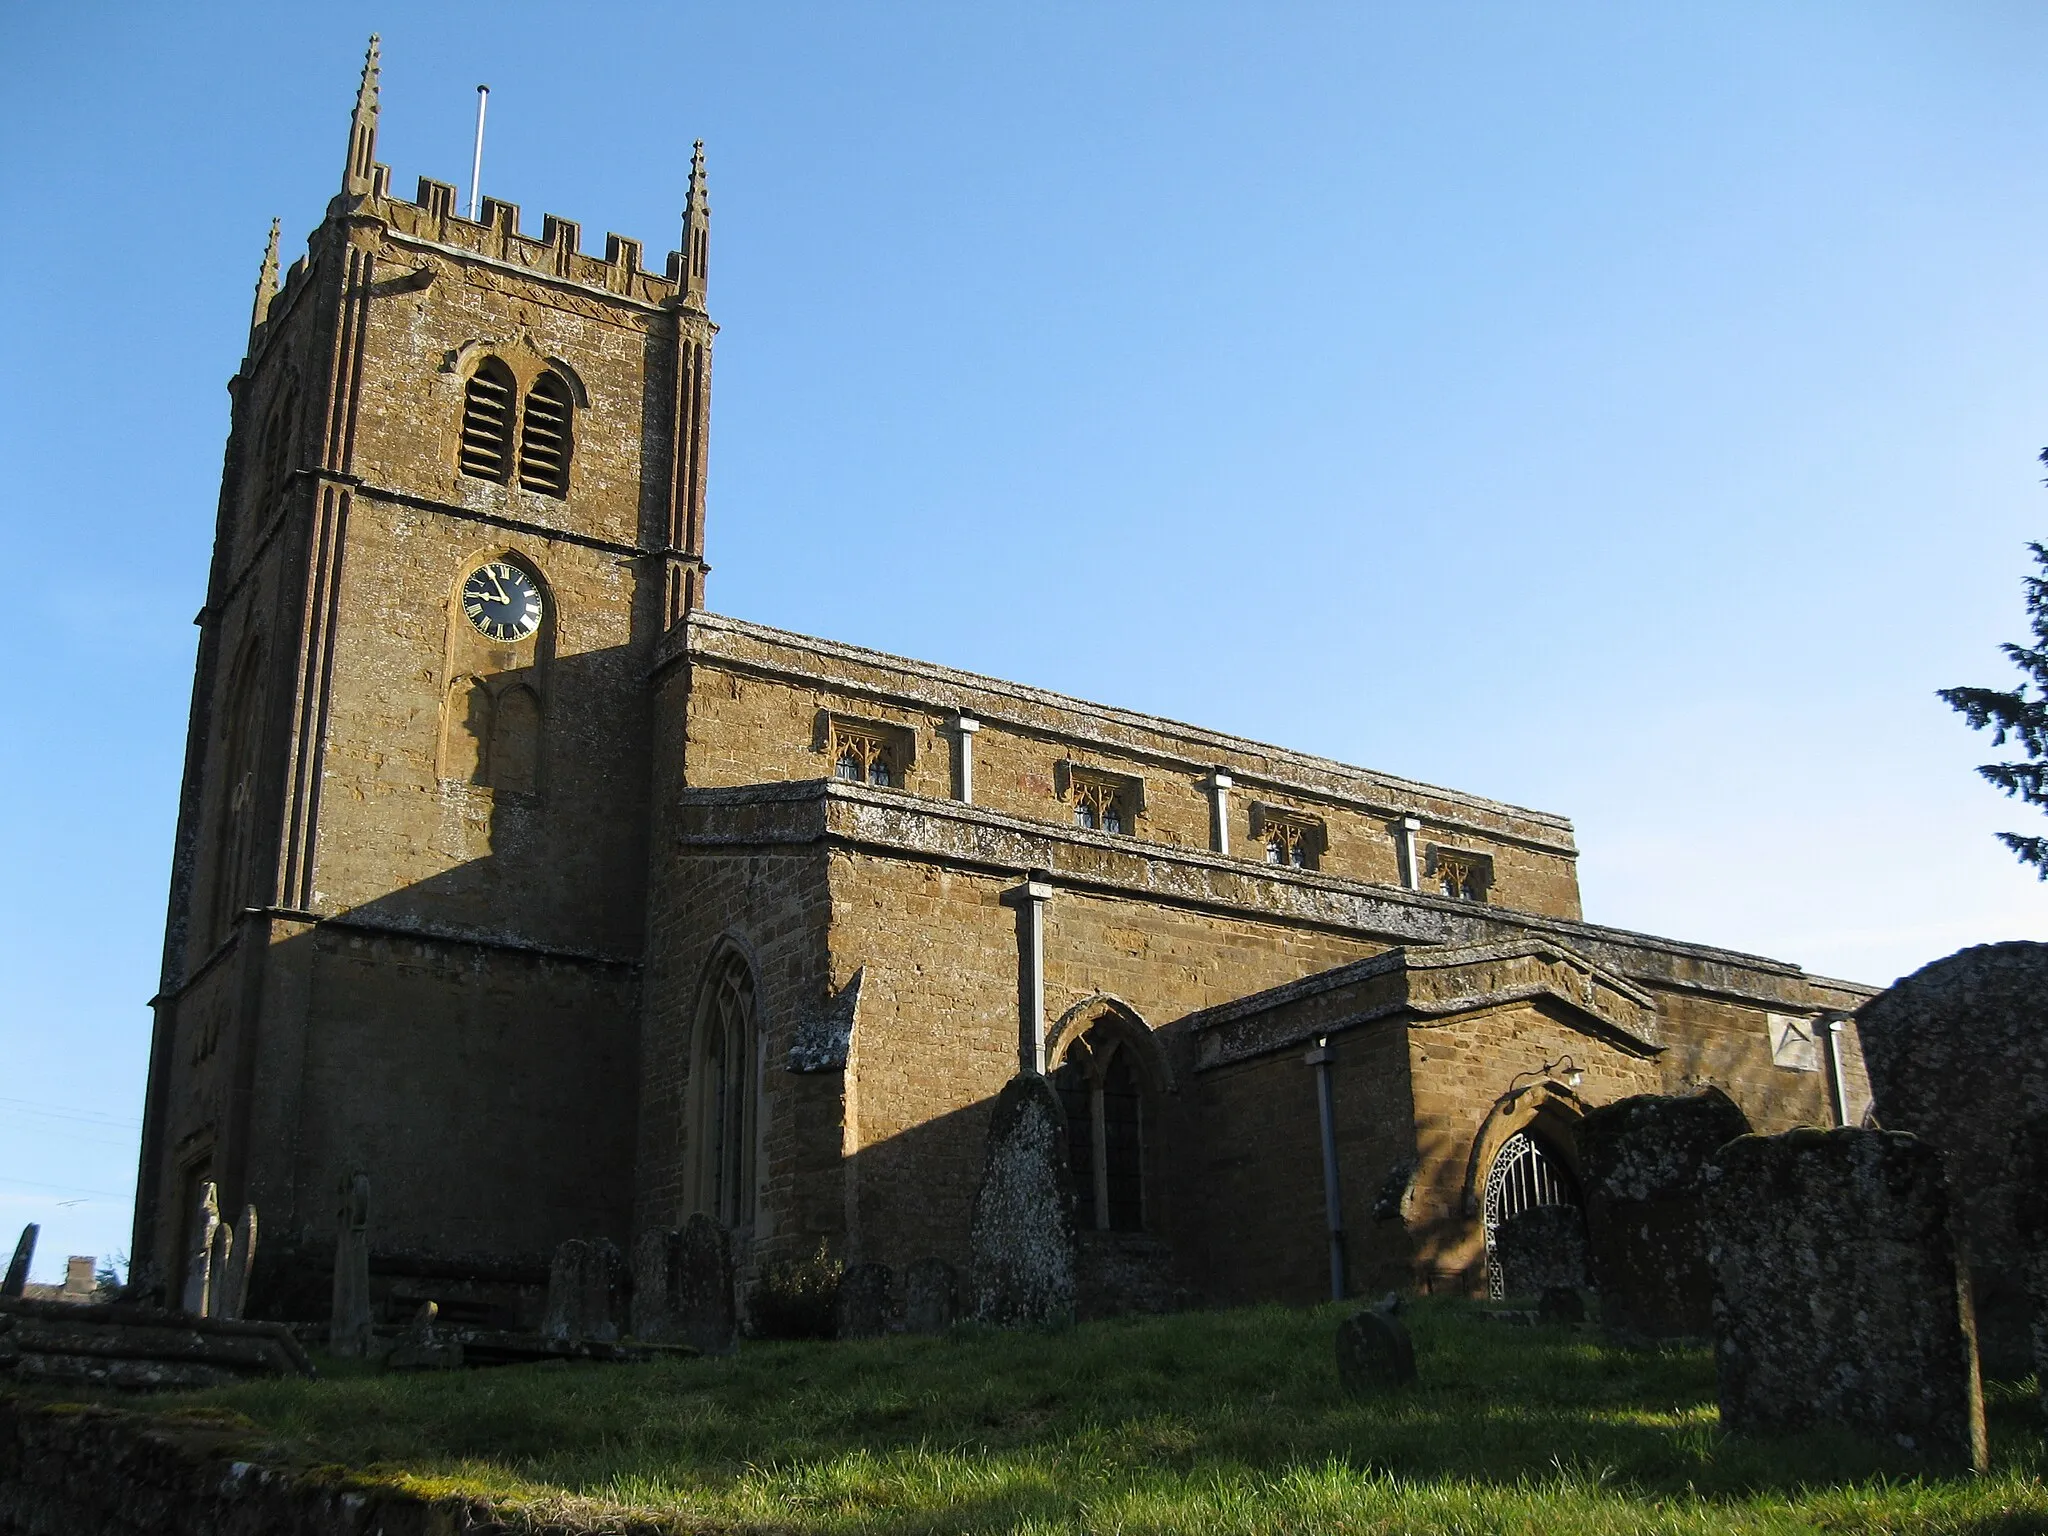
(512, 875)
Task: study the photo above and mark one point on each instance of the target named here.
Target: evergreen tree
(2019, 715)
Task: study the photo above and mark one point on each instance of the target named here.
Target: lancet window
(1100, 1089)
(726, 1084)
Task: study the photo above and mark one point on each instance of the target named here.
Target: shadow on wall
(469, 1039)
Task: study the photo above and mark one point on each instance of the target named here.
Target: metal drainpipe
(1333, 1201)
(1831, 1041)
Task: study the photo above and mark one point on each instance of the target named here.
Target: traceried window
(1101, 804)
(863, 757)
(1292, 841)
(726, 1091)
(1099, 1087)
(1459, 875)
(545, 439)
(487, 408)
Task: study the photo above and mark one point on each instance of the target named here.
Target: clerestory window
(1460, 875)
(1101, 804)
(863, 757)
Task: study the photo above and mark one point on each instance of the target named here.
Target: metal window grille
(1524, 1175)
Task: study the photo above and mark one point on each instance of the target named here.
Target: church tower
(462, 503)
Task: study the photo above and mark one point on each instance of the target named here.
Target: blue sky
(1629, 412)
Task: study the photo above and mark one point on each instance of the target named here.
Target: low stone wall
(68, 1469)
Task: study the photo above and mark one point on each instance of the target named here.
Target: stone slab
(1839, 1293)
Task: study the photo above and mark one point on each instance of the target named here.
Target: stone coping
(1436, 957)
(808, 811)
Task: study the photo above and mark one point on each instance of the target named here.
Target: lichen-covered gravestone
(1958, 1055)
(1839, 1294)
(1022, 1231)
(1643, 1160)
(1541, 1249)
(657, 1258)
(861, 1304)
(703, 1299)
(931, 1296)
(2030, 1212)
(1374, 1353)
(349, 1329)
(584, 1285)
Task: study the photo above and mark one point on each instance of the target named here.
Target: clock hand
(503, 595)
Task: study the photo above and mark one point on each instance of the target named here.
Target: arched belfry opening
(1105, 1084)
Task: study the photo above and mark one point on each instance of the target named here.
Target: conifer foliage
(2019, 715)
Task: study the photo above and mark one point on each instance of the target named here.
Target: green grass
(1209, 1422)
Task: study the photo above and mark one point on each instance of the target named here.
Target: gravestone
(231, 1276)
(1958, 1055)
(584, 1284)
(202, 1252)
(1839, 1294)
(426, 1346)
(1643, 1163)
(862, 1307)
(349, 1327)
(1541, 1249)
(704, 1301)
(931, 1296)
(657, 1256)
(17, 1267)
(1374, 1353)
(2030, 1212)
(1021, 1234)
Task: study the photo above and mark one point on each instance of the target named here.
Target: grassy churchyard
(1208, 1423)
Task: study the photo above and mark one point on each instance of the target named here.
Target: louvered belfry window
(487, 422)
(544, 440)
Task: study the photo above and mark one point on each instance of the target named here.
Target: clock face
(502, 601)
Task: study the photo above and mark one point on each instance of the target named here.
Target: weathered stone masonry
(579, 929)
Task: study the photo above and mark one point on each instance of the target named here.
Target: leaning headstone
(202, 1253)
(931, 1296)
(1022, 1231)
(584, 1284)
(1541, 1249)
(24, 1256)
(1958, 1055)
(1374, 1353)
(705, 1302)
(1643, 1162)
(1839, 1294)
(349, 1329)
(231, 1277)
(862, 1306)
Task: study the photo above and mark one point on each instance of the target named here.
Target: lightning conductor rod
(476, 166)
